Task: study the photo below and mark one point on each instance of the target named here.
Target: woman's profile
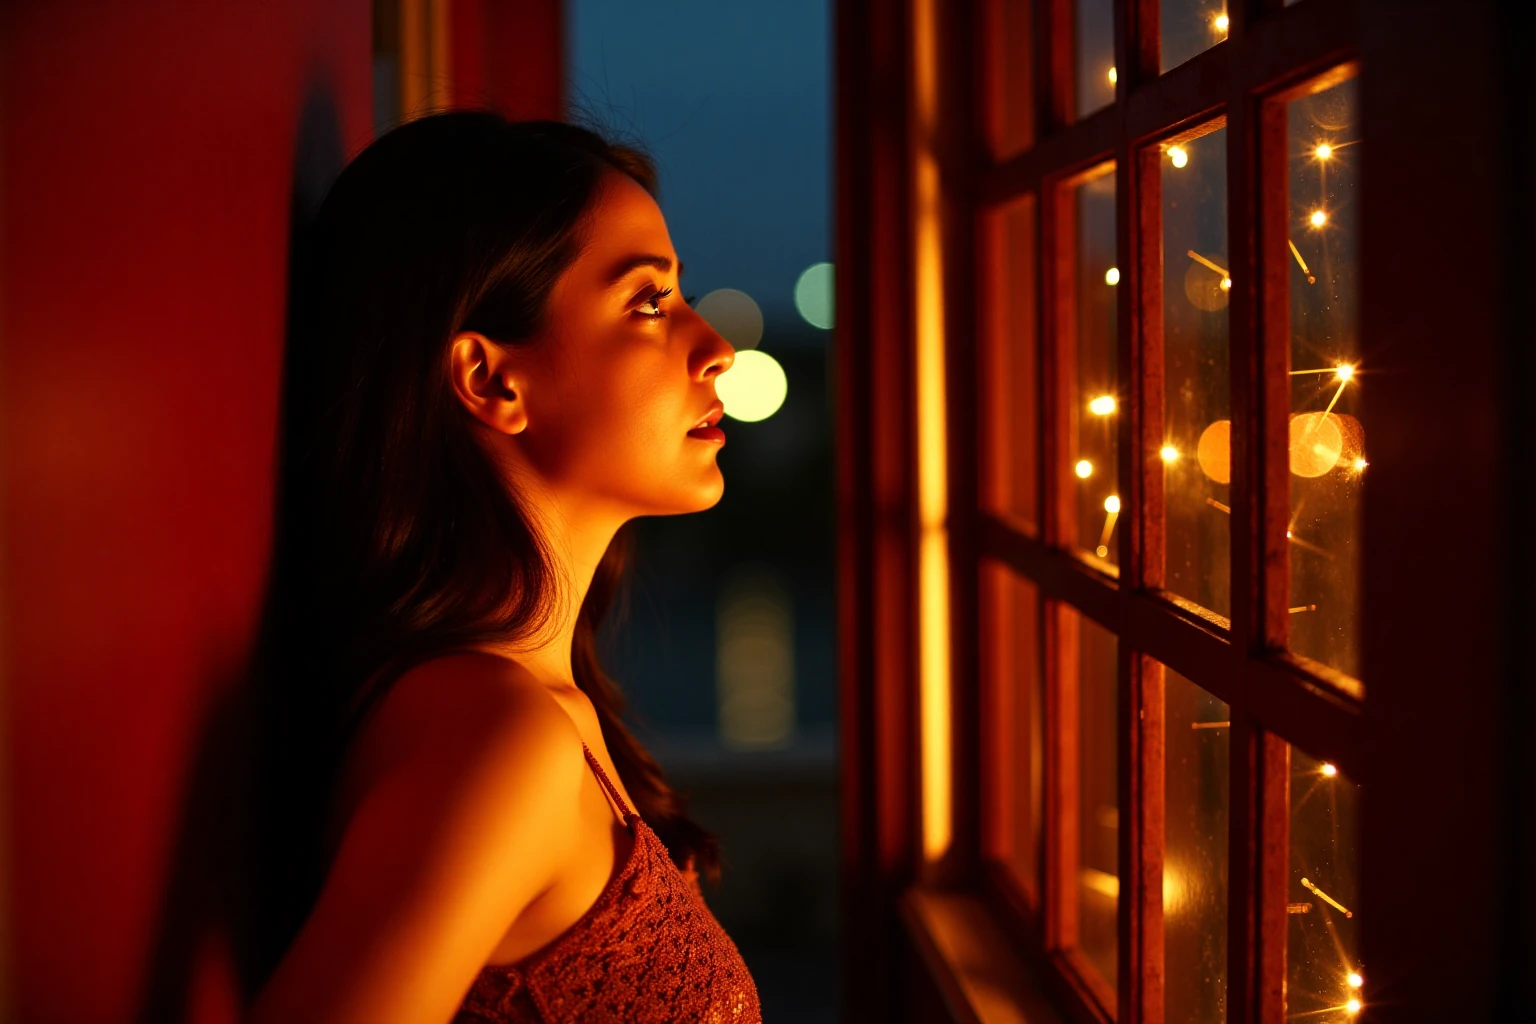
(493, 370)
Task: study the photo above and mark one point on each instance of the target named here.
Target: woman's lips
(714, 435)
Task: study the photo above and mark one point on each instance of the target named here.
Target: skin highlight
(468, 829)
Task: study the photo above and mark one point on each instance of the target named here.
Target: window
(1173, 460)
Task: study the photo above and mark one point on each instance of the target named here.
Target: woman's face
(624, 371)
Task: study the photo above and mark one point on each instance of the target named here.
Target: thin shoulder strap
(602, 777)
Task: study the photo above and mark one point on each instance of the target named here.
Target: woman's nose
(714, 355)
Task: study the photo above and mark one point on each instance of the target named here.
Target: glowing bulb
(1179, 155)
(1113, 76)
(1328, 769)
(1104, 405)
(1169, 453)
(1084, 469)
(1354, 979)
(753, 388)
(1345, 371)
(1318, 218)
(1112, 504)
(1323, 151)
(1226, 284)
(1360, 465)
(1112, 276)
(1222, 22)
(1353, 1006)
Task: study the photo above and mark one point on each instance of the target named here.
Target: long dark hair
(398, 540)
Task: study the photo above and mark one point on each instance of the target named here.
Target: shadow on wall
(237, 890)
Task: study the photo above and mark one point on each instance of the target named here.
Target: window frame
(1276, 699)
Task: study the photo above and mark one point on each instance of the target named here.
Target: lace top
(648, 951)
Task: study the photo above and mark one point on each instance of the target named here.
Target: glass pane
(1015, 387)
(1095, 401)
(1094, 24)
(1015, 646)
(1098, 890)
(1323, 976)
(1013, 62)
(1196, 785)
(1190, 27)
(1327, 440)
(1196, 453)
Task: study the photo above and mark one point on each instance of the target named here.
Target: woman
(493, 372)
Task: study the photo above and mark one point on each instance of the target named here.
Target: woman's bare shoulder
(470, 700)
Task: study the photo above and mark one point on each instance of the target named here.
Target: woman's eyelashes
(655, 303)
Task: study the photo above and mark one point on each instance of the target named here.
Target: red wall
(148, 150)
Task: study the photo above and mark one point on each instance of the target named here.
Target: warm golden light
(1169, 453)
(1112, 276)
(1113, 76)
(1360, 465)
(1318, 218)
(1330, 770)
(1112, 504)
(1344, 371)
(1353, 1006)
(936, 819)
(1179, 155)
(1226, 284)
(1104, 405)
(1323, 151)
(753, 388)
(1222, 23)
(1084, 469)
(1354, 979)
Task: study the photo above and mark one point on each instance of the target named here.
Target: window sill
(971, 959)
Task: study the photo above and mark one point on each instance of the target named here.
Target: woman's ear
(488, 383)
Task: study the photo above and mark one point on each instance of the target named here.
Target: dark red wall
(148, 159)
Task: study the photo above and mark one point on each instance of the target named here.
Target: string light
(1323, 151)
(1104, 405)
(1084, 469)
(1301, 262)
(1169, 453)
(1179, 155)
(1330, 770)
(1226, 284)
(1318, 218)
(1354, 979)
(1222, 22)
(1112, 512)
(1344, 371)
(1113, 76)
(1353, 1006)
(1360, 465)
(1112, 276)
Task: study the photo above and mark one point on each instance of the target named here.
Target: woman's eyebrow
(632, 263)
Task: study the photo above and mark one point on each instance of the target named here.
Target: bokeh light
(753, 388)
(1112, 276)
(1214, 452)
(1317, 443)
(1104, 405)
(815, 295)
(1084, 469)
(734, 316)
(1179, 155)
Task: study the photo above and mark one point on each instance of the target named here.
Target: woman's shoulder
(476, 718)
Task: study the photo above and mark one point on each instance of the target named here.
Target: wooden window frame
(1276, 699)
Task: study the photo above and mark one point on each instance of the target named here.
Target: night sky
(733, 101)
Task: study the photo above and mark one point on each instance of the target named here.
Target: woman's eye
(654, 301)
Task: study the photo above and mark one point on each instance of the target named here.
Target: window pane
(1322, 973)
(1014, 618)
(1013, 67)
(1098, 890)
(1196, 784)
(1327, 440)
(1196, 454)
(1095, 398)
(1015, 384)
(1094, 24)
(1190, 27)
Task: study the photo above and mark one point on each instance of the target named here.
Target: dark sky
(733, 99)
